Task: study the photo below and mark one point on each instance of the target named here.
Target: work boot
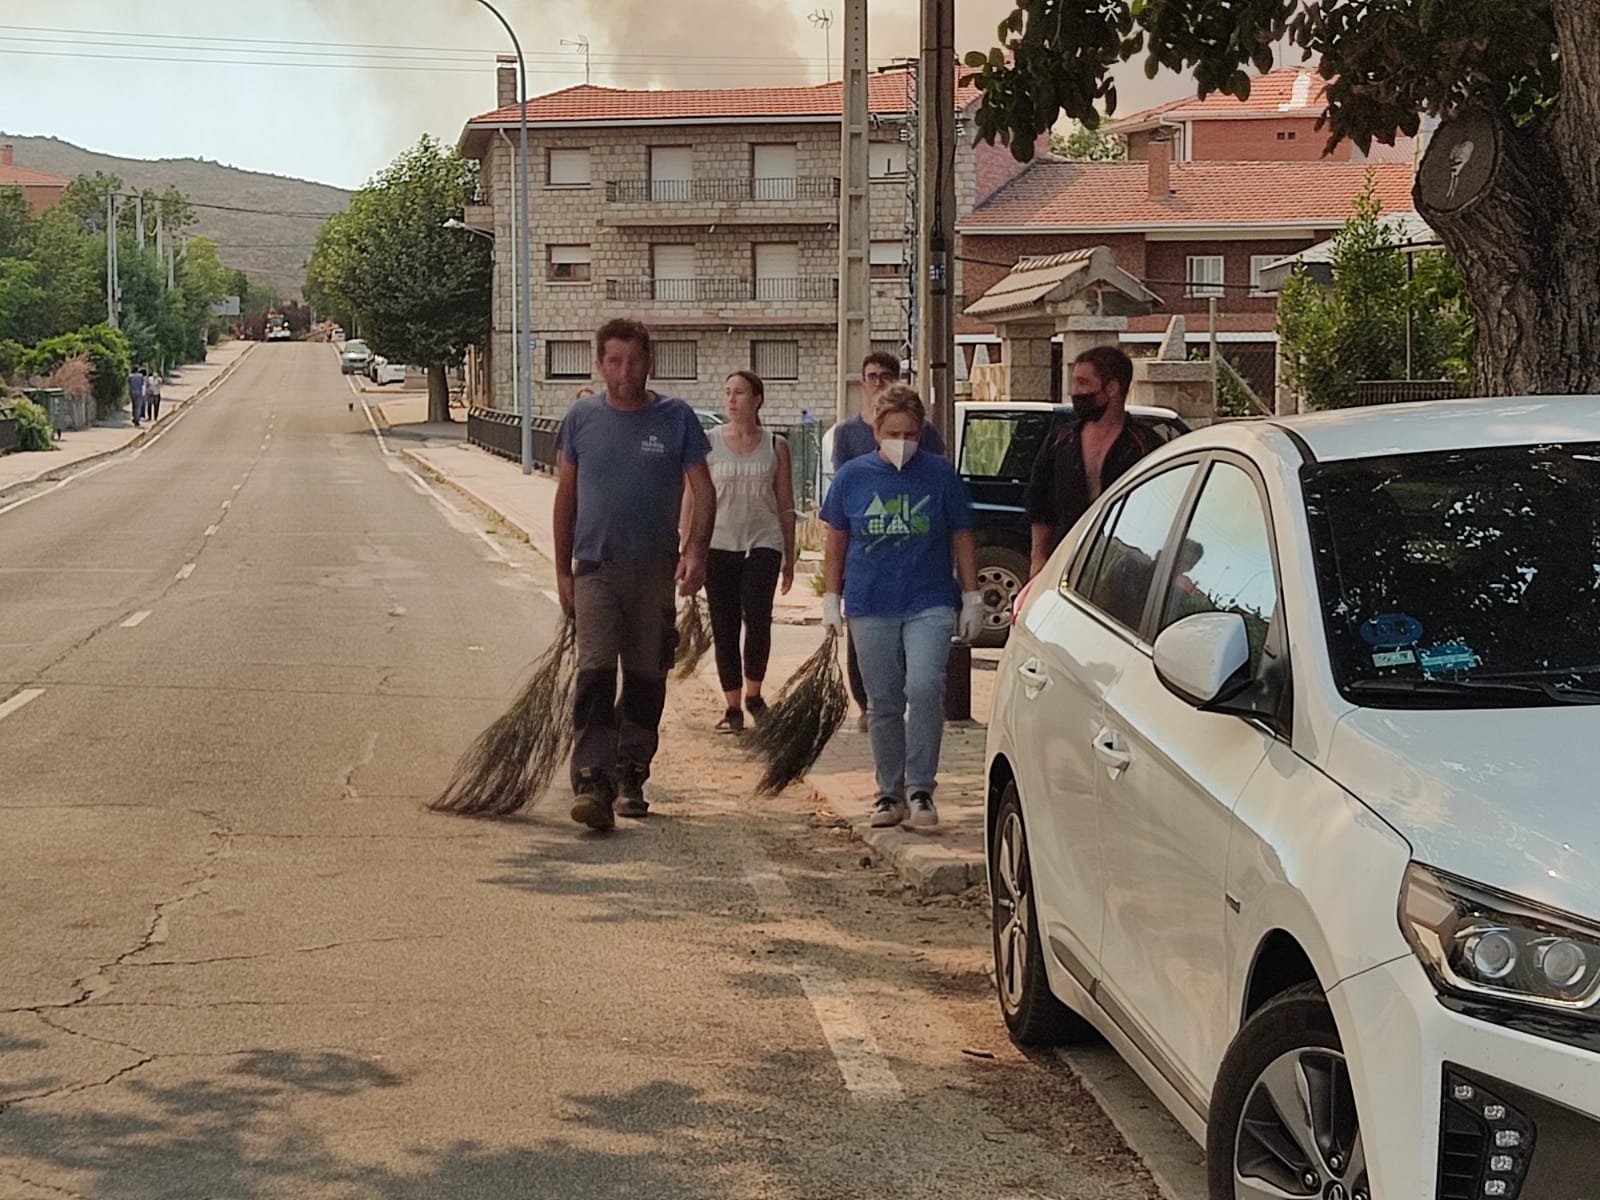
(592, 801)
(630, 790)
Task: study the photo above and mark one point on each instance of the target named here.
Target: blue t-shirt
(853, 438)
(899, 561)
(630, 475)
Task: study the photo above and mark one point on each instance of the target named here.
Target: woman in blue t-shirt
(899, 535)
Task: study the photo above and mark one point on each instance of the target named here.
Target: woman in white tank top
(752, 544)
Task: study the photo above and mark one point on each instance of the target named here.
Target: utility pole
(138, 217)
(111, 258)
(855, 226)
(936, 178)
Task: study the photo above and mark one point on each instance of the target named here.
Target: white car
(382, 371)
(1287, 798)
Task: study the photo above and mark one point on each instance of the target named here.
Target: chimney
(1159, 159)
(505, 79)
(8, 154)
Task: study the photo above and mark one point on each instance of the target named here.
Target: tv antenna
(822, 18)
(582, 45)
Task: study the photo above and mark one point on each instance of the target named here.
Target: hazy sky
(332, 90)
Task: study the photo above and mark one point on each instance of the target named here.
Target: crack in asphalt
(370, 752)
(47, 1187)
(317, 949)
(72, 1089)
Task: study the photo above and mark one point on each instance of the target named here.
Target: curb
(433, 472)
(211, 385)
(927, 867)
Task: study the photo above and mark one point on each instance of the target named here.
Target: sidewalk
(947, 859)
(117, 431)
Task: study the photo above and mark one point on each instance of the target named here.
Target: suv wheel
(1002, 572)
(1283, 1116)
(1033, 1014)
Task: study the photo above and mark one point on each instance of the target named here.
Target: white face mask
(898, 451)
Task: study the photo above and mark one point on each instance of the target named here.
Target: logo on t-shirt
(895, 518)
(653, 445)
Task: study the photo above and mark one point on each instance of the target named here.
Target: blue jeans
(903, 665)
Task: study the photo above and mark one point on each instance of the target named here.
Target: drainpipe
(516, 333)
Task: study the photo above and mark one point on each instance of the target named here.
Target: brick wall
(1287, 139)
(1166, 269)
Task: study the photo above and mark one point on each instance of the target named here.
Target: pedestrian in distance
(152, 394)
(856, 437)
(624, 458)
(136, 395)
(1089, 454)
(899, 538)
(752, 544)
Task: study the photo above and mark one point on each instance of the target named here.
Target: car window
(1122, 564)
(1002, 445)
(1165, 428)
(1224, 561)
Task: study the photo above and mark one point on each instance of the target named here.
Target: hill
(269, 248)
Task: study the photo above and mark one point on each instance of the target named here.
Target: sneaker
(923, 812)
(630, 792)
(591, 805)
(756, 707)
(888, 812)
(732, 721)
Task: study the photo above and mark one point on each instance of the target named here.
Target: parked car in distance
(710, 418)
(381, 371)
(1288, 797)
(354, 357)
(995, 446)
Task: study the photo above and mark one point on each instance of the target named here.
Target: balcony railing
(723, 290)
(722, 191)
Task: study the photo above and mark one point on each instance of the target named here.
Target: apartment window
(777, 271)
(773, 171)
(567, 264)
(568, 360)
(1204, 275)
(671, 172)
(568, 168)
(886, 260)
(674, 360)
(775, 360)
(672, 269)
(886, 160)
(1258, 264)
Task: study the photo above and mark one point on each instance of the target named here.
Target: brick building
(37, 188)
(712, 215)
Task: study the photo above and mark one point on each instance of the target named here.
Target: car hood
(1502, 797)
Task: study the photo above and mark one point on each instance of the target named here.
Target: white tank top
(747, 499)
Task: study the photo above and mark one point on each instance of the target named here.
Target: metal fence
(675, 191)
(1403, 391)
(805, 462)
(726, 290)
(500, 433)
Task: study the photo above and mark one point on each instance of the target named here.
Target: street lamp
(522, 238)
(494, 258)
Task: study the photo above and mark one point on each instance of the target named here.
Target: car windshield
(355, 347)
(1465, 578)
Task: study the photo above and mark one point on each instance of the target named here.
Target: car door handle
(1034, 677)
(1110, 749)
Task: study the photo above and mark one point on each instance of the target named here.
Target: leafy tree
(419, 292)
(18, 225)
(1525, 247)
(108, 351)
(1088, 145)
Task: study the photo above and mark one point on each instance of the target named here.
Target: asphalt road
(240, 959)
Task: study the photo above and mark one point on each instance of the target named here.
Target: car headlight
(1479, 941)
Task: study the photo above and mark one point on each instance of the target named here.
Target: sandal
(756, 707)
(732, 722)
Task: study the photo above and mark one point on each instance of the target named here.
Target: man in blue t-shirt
(853, 438)
(624, 457)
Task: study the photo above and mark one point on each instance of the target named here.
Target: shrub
(74, 376)
(33, 426)
(110, 359)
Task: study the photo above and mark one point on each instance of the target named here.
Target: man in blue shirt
(624, 457)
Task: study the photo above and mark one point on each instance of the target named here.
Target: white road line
(136, 620)
(494, 545)
(382, 445)
(186, 570)
(443, 503)
(211, 530)
(551, 596)
(867, 1076)
(94, 470)
(25, 696)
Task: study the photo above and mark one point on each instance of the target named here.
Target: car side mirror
(1204, 659)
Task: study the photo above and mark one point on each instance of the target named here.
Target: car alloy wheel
(1013, 912)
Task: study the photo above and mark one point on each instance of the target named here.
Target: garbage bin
(53, 401)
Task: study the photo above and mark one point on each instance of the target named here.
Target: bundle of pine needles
(694, 637)
(800, 722)
(513, 761)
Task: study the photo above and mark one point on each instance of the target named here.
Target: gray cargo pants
(626, 614)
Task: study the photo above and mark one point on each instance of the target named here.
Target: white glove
(832, 614)
(970, 623)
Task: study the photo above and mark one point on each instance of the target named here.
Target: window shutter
(773, 170)
(777, 270)
(568, 360)
(674, 360)
(671, 172)
(569, 168)
(775, 360)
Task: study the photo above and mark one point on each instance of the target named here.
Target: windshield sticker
(1391, 631)
(1394, 658)
(1452, 656)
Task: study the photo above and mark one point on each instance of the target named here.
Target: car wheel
(1283, 1115)
(1002, 572)
(1032, 1012)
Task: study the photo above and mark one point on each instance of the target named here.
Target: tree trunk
(438, 393)
(1529, 248)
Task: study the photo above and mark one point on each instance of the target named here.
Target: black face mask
(1085, 408)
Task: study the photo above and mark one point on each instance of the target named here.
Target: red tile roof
(1271, 95)
(1052, 195)
(15, 176)
(588, 104)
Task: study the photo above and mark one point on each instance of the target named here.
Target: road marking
(211, 530)
(186, 570)
(867, 1076)
(382, 445)
(94, 470)
(443, 503)
(495, 546)
(26, 696)
(551, 596)
(136, 620)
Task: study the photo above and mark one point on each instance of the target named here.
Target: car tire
(1002, 573)
(1283, 1112)
(1033, 1014)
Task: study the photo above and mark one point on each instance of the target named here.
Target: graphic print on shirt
(653, 445)
(895, 519)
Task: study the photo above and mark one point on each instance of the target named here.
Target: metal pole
(855, 228)
(138, 218)
(936, 79)
(517, 331)
(111, 259)
(522, 247)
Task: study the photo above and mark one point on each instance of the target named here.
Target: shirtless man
(1089, 454)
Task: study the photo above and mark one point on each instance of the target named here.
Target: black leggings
(739, 587)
